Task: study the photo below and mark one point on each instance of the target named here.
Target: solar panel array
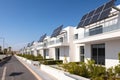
(57, 31)
(98, 14)
(28, 45)
(31, 43)
(42, 38)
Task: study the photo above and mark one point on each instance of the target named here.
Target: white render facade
(99, 41)
(59, 46)
(102, 40)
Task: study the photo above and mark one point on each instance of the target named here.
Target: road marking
(4, 73)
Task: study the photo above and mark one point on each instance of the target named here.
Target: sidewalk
(38, 71)
(49, 73)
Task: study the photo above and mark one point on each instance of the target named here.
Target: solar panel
(81, 23)
(98, 14)
(42, 38)
(31, 43)
(87, 21)
(105, 14)
(95, 18)
(56, 32)
(91, 13)
(28, 45)
(83, 18)
(109, 4)
(98, 10)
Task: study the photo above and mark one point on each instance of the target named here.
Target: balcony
(111, 30)
(58, 42)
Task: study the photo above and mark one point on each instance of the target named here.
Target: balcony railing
(106, 29)
(57, 41)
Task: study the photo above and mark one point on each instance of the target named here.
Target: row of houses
(96, 37)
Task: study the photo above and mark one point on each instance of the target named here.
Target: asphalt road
(12, 69)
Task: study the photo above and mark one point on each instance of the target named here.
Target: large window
(98, 53)
(82, 53)
(96, 30)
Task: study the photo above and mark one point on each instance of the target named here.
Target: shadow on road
(4, 61)
(16, 73)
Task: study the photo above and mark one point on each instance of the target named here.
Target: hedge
(52, 62)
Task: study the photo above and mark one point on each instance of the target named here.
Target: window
(98, 53)
(61, 39)
(96, 30)
(82, 53)
(57, 53)
(76, 36)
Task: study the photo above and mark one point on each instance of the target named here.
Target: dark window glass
(76, 36)
(96, 30)
(82, 53)
(98, 53)
(61, 39)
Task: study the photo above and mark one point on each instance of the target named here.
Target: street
(12, 69)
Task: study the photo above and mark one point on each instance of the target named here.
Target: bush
(88, 70)
(77, 69)
(31, 57)
(52, 62)
(96, 71)
(117, 70)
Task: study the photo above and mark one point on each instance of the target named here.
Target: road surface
(12, 69)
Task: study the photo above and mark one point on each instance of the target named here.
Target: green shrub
(31, 57)
(75, 68)
(88, 70)
(119, 56)
(117, 69)
(110, 73)
(52, 62)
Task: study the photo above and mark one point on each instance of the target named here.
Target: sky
(24, 21)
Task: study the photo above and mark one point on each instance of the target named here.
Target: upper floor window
(76, 36)
(96, 30)
(61, 39)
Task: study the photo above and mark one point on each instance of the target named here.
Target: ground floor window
(44, 55)
(98, 53)
(82, 53)
(57, 53)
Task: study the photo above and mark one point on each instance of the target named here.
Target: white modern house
(60, 44)
(101, 34)
(42, 46)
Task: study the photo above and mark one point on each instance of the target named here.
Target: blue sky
(23, 21)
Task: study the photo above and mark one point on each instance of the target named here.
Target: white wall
(71, 45)
(64, 52)
(112, 50)
(52, 53)
(87, 52)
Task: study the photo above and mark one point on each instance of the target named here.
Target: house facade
(102, 40)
